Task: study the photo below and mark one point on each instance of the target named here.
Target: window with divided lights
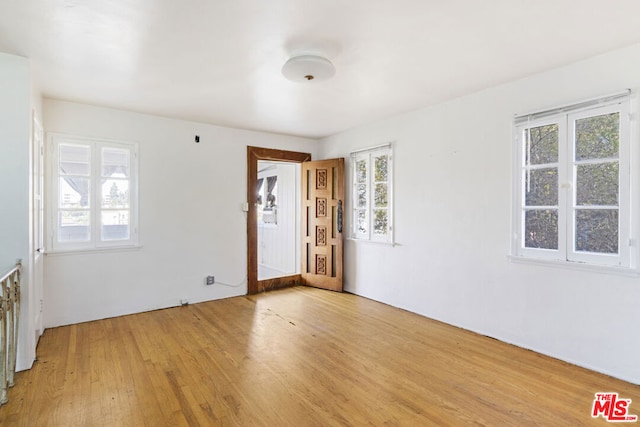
(93, 201)
(573, 184)
(372, 194)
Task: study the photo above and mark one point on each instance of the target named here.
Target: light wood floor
(295, 357)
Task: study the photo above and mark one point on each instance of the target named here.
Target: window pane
(597, 231)
(362, 195)
(115, 193)
(74, 159)
(115, 162)
(380, 221)
(542, 145)
(380, 196)
(271, 197)
(597, 184)
(361, 221)
(541, 187)
(597, 137)
(74, 192)
(541, 229)
(361, 171)
(115, 225)
(381, 166)
(73, 226)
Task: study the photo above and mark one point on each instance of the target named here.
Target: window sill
(108, 249)
(268, 225)
(572, 265)
(373, 242)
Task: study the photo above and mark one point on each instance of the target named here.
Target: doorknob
(339, 220)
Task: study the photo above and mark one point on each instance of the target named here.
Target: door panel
(322, 216)
(37, 296)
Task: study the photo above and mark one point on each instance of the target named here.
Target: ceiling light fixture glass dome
(306, 68)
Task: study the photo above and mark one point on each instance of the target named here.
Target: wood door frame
(254, 154)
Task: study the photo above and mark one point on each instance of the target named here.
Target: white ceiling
(218, 61)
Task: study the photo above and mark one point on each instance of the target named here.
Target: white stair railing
(9, 315)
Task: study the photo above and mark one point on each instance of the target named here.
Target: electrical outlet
(211, 280)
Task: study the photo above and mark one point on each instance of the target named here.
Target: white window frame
(95, 241)
(565, 117)
(368, 154)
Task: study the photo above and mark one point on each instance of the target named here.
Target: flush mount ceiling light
(305, 68)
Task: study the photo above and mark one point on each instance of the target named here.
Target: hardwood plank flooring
(295, 357)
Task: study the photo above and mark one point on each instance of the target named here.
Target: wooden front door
(322, 223)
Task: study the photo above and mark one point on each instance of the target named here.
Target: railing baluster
(9, 320)
(3, 343)
(14, 320)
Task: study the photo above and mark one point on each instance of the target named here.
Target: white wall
(14, 159)
(18, 96)
(452, 224)
(191, 219)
